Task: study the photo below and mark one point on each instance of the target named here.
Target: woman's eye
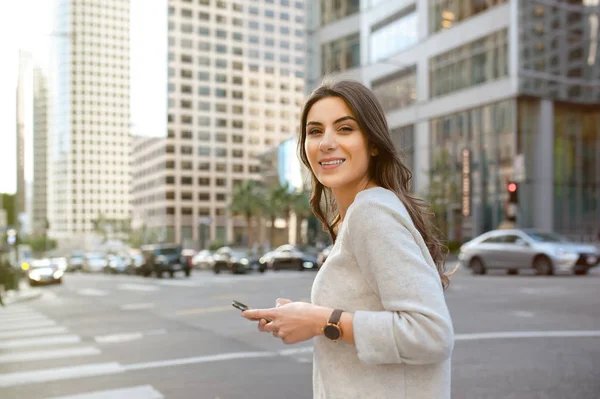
(313, 131)
(345, 129)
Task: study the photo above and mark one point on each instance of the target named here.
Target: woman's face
(336, 148)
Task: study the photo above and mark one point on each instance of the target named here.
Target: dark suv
(162, 258)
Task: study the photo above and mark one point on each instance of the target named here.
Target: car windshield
(95, 256)
(546, 237)
(168, 251)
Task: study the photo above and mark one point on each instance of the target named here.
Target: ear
(374, 151)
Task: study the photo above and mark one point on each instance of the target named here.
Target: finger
(261, 324)
(276, 333)
(270, 327)
(257, 314)
(281, 301)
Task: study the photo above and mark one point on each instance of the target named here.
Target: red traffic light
(512, 187)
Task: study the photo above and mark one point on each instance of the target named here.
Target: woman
(378, 314)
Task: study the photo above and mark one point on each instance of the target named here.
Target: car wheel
(188, 272)
(262, 269)
(276, 266)
(158, 274)
(217, 268)
(477, 266)
(171, 274)
(581, 272)
(543, 266)
(512, 271)
(59, 281)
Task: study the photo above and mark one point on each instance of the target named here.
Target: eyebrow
(343, 118)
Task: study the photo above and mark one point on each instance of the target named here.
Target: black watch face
(332, 332)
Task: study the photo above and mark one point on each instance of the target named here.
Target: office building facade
(235, 87)
(479, 94)
(88, 121)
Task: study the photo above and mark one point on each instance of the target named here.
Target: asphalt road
(104, 337)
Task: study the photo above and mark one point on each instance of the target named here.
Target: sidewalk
(25, 293)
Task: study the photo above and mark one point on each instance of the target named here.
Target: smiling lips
(331, 163)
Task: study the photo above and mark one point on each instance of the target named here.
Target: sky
(19, 28)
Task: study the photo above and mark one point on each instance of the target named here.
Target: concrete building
(88, 120)
(24, 128)
(477, 94)
(235, 87)
(40, 153)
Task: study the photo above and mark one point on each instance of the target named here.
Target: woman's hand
(262, 322)
(292, 322)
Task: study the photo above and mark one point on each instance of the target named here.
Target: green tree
(277, 203)
(40, 244)
(444, 189)
(8, 203)
(301, 207)
(247, 200)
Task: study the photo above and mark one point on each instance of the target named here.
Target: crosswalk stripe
(28, 317)
(139, 392)
(32, 333)
(27, 324)
(57, 374)
(49, 354)
(21, 343)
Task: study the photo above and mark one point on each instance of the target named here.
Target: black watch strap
(336, 316)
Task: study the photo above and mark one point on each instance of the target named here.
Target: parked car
(518, 249)
(134, 264)
(75, 262)
(187, 257)
(116, 264)
(43, 271)
(322, 257)
(94, 262)
(163, 258)
(235, 261)
(203, 259)
(61, 263)
(289, 257)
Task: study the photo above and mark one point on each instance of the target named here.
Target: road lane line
(203, 310)
(91, 292)
(139, 392)
(33, 332)
(25, 317)
(128, 336)
(25, 325)
(57, 374)
(527, 334)
(198, 359)
(138, 287)
(49, 354)
(22, 343)
(137, 306)
(523, 313)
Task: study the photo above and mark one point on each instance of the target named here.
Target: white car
(94, 262)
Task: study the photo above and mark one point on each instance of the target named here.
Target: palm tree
(301, 207)
(247, 200)
(277, 204)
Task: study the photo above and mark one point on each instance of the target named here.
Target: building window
(204, 181)
(204, 196)
(444, 14)
(477, 62)
(204, 151)
(341, 54)
(220, 182)
(393, 35)
(334, 10)
(396, 91)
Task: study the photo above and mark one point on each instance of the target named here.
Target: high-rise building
(40, 152)
(235, 87)
(478, 94)
(88, 120)
(23, 130)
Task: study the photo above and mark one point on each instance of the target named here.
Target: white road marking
(138, 287)
(211, 309)
(523, 313)
(49, 354)
(92, 292)
(57, 374)
(22, 343)
(33, 332)
(137, 306)
(27, 324)
(182, 283)
(126, 337)
(23, 317)
(139, 392)
(527, 334)
(198, 359)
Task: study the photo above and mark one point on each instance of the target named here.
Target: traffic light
(513, 192)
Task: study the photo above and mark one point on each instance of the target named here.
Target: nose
(328, 143)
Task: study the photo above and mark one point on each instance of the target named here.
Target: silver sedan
(512, 250)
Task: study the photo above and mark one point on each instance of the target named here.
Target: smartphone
(243, 307)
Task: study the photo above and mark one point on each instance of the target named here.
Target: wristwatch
(332, 330)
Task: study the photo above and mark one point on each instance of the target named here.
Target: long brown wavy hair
(386, 169)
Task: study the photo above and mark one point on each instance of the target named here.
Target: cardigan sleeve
(415, 326)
